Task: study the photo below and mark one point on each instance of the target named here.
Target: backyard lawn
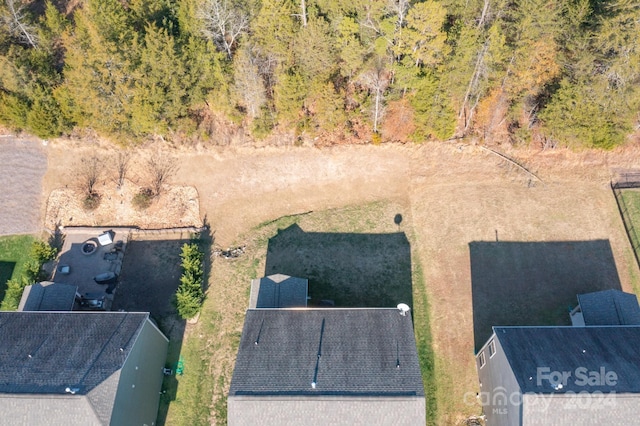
(14, 252)
(355, 256)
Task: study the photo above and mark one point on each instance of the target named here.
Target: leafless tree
(473, 93)
(161, 169)
(249, 82)
(88, 173)
(376, 80)
(122, 166)
(223, 23)
(399, 8)
(303, 12)
(17, 24)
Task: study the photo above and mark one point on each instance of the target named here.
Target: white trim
(492, 348)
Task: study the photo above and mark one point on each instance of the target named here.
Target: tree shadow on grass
(352, 270)
(535, 283)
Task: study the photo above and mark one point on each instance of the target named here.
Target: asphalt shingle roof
(45, 352)
(595, 349)
(609, 307)
(278, 291)
(48, 296)
(345, 352)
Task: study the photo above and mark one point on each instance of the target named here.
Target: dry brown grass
(455, 194)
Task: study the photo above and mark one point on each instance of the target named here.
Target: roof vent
(403, 308)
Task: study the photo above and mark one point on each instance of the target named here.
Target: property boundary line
(632, 233)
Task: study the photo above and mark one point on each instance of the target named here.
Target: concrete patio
(82, 267)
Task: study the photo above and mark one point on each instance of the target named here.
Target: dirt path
(22, 165)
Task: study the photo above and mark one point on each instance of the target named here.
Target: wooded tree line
(509, 70)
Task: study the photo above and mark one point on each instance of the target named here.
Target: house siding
(318, 411)
(500, 394)
(141, 378)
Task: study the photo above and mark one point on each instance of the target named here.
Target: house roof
(278, 291)
(567, 349)
(609, 307)
(48, 352)
(48, 296)
(344, 352)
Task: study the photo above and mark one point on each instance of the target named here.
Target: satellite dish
(403, 308)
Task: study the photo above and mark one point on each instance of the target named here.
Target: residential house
(588, 373)
(80, 368)
(327, 367)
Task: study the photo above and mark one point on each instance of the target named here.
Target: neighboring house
(608, 307)
(585, 374)
(80, 368)
(561, 375)
(48, 296)
(327, 367)
(278, 291)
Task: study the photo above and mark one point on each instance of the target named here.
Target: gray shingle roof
(48, 352)
(346, 352)
(48, 296)
(278, 291)
(609, 307)
(565, 349)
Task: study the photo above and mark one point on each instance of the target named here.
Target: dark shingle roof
(346, 352)
(278, 291)
(48, 296)
(609, 307)
(48, 352)
(565, 349)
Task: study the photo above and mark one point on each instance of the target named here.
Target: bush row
(40, 254)
(189, 296)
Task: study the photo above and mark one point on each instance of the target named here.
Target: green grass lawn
(631, 199)
(631, 215)
(631, 207)
(14, 252)
(325, 243)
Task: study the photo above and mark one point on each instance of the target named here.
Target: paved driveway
(23, 164)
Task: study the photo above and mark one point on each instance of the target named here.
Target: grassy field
(14, 251)
(347, 254)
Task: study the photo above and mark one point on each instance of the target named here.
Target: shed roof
(328, 352)
(278, 291)
(595, 349)
(609, 307)
(48, 296)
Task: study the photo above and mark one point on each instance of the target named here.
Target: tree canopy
(519, 71)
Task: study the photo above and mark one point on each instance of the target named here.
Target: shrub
(142, 200)
(189, 295)
(15, 287)
(40, 253)
(91, 202)
(43, 252)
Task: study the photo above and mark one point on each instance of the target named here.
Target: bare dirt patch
(177, 206)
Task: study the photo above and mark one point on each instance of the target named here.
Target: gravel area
(23, 164)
